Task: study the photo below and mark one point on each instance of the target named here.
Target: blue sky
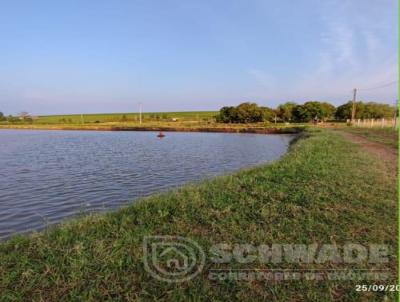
(107, 56)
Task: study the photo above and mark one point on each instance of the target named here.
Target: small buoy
(160, 135)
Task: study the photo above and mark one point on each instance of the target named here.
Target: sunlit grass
(387, 135)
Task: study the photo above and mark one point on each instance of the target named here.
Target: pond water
(47, 176)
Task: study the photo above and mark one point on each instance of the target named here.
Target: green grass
(387, 136)
(325, 190)
(129, 117)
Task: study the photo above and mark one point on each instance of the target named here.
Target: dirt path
(386, 154)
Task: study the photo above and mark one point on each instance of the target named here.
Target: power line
(363, 89)
(380, 86)
(353, 109)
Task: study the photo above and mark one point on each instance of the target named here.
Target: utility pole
(140, 112)
(82, 120)
(353, 109)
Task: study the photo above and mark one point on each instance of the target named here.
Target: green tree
(244, 113)
(301, 114)
(365, 111)
(376, 110)
(2, 117)
(249, 113)
(268, 114)
(328, 111)
(285, 111)
(227, 115)
(343, 112)
(313, 109)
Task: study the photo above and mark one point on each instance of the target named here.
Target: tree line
(23, 116)
(297, 113)
(287, 112)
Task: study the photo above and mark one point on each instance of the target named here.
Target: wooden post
(140, 113)
(353, 109)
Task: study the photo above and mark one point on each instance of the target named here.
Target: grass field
(155, 121)
(325, 190)
(125, 117)
(173, 121)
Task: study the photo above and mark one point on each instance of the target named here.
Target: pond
(47, 176)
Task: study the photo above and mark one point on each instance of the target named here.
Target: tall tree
(244, 113)
(313, 109)
(365, 111)
(285, 111)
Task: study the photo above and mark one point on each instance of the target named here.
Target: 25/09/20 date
(377, 287)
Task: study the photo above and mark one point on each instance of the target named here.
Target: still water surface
(47, 176)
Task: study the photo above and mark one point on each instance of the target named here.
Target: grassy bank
(325, 190)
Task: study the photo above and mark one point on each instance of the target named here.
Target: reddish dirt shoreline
(222, 130)
(288, 130)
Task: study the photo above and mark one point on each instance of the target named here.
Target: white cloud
(353, 54)
(356, 50)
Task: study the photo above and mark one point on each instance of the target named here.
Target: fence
(375, 123)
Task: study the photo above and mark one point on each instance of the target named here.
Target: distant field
(125, 117)
(153, 121)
